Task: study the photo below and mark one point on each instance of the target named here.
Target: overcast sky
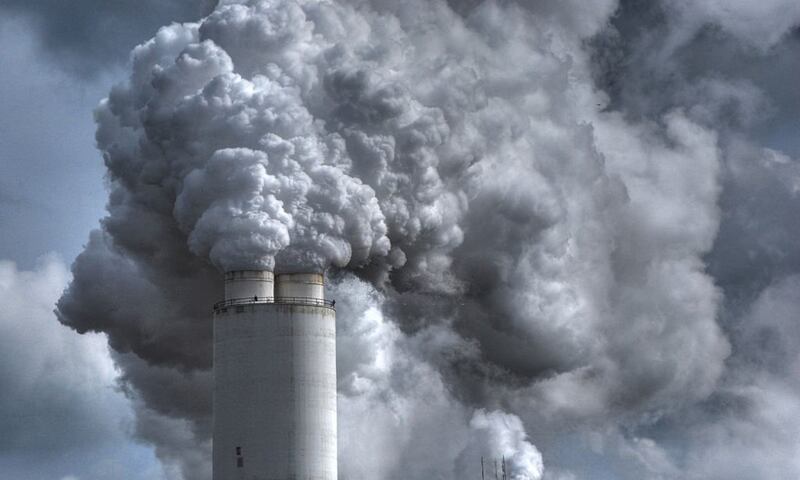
(557, 231)
(62, 412)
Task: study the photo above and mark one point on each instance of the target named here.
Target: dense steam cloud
(520, 235)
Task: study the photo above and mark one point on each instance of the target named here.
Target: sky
(557, 232)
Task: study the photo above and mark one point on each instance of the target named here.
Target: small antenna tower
(483, 477)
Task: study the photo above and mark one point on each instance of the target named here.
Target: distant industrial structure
(501, 474)
(274, 378)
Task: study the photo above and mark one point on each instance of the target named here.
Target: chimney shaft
(299, 285)
(274, 378)
(249, 284)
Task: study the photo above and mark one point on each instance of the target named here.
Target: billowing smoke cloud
(518, 256)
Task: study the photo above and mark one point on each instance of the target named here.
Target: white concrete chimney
(299, 285)
(274, 379)
(249, 284)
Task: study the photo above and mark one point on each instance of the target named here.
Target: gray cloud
(87, 36)
(726, 76)
(733, 77)
(58, 390)
(521, 234)
(29, 378)
(659, 55)
(758, 419)
(46, 151)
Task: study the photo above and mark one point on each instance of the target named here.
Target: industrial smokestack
(249, 284)
(274, 378)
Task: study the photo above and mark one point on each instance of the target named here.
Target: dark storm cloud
(86, 36)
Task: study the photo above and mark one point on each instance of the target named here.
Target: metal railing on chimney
(310, 301)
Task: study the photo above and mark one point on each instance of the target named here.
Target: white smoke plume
(499, 439)
(498, 241)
